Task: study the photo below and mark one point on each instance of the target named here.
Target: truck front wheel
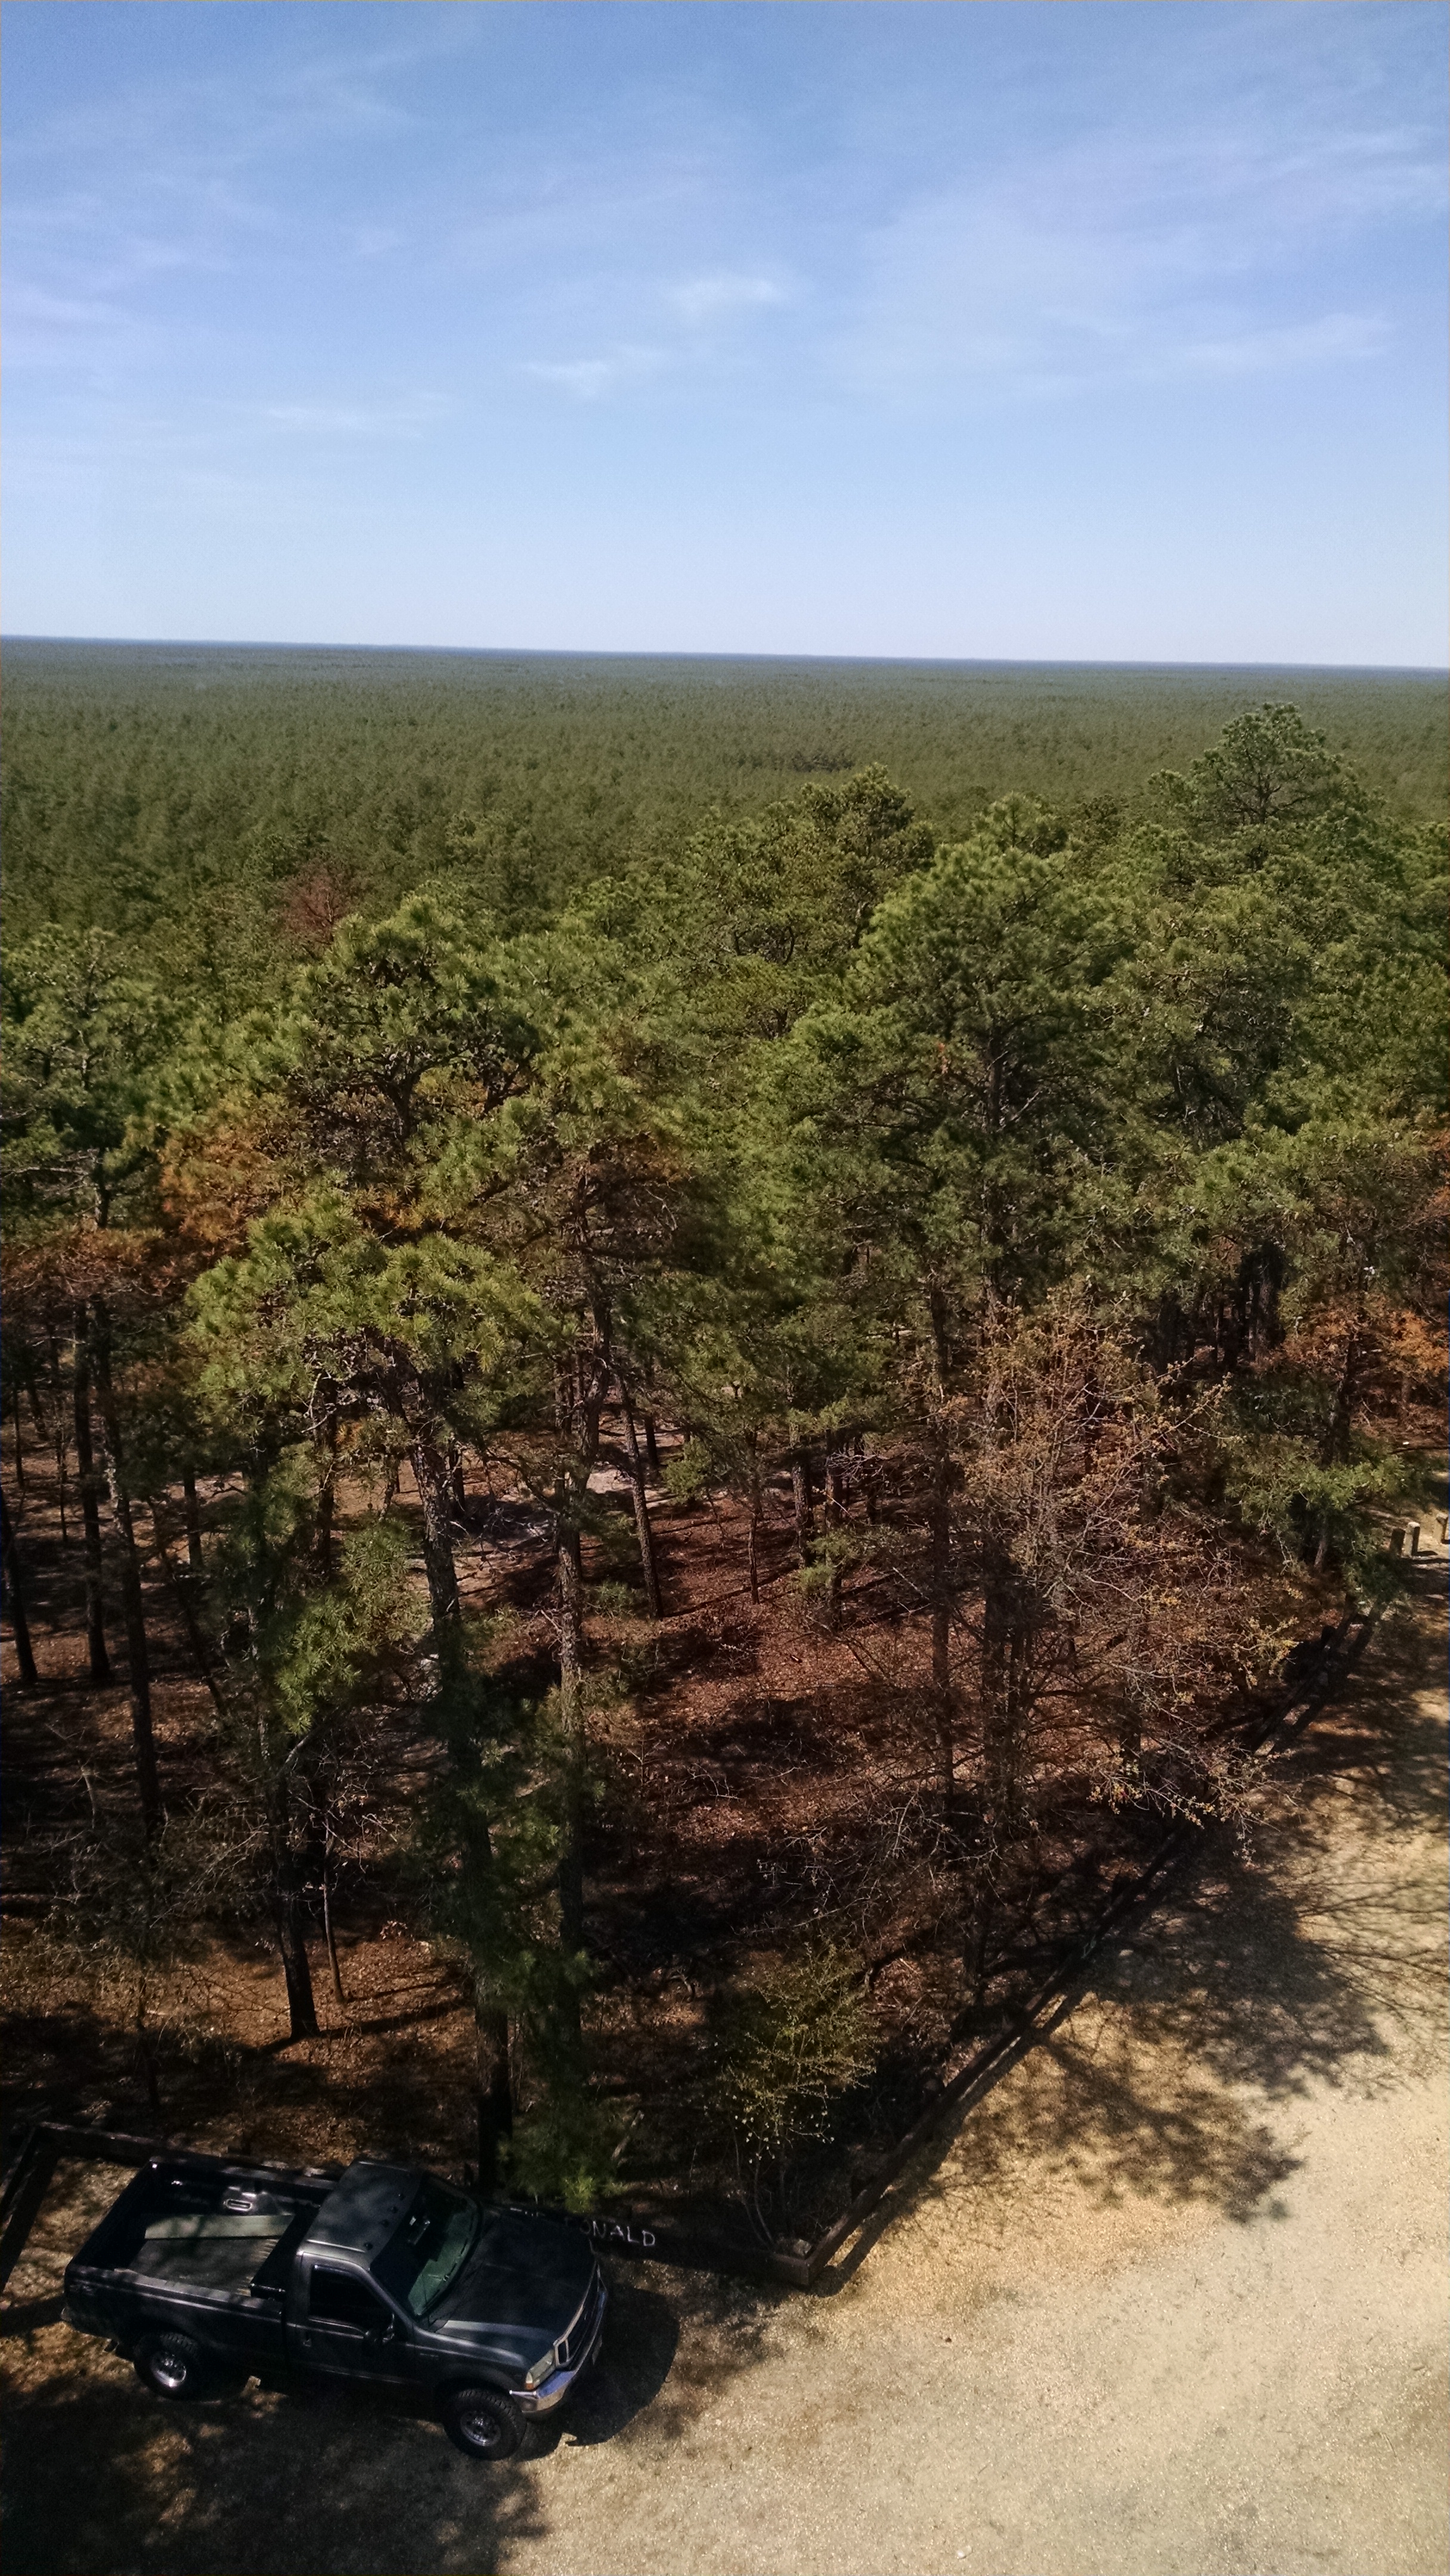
(482, 2422)
(172, 2366)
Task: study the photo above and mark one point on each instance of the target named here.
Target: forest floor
(1168, 2303)
(761, 1778)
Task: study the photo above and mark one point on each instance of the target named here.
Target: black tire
(173, 2367)
(483, 2423)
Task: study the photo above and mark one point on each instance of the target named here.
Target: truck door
(346, 2327)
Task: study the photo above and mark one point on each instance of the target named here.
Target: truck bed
(215, 2250)
(190, 2228)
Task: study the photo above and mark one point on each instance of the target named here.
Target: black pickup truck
(206, 2271)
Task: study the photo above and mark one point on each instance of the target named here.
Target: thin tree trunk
(133, 1606)
(62, 1452)
(996, 1714)
(431, 1471)
(326, 1490)
(835, 1515)
(56, 1432)
(287, 1916)
(571, 1709)
(1335, 1452)
(983, 1909)
(941, 1625)
(801, 1497)
(146, 2060)
(578, 1396)
(15, 1601)
(643, 1526)
(19, 1442)
(37, 1408)
(89, 1482)
(179, 1586)
(651, 1448)
(495, 2090)
(1130, 1731)
(756, 1517)
(195, 1561)
(1009, 1616)
(327, 1930)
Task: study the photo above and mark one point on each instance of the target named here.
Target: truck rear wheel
(483, 2422)
(172, 2366)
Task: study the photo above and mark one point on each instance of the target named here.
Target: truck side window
(337, 2299)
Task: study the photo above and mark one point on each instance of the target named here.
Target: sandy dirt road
(1171, 2302)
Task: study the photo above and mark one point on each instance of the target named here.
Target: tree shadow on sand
(1317, 1959)
(102, 2481)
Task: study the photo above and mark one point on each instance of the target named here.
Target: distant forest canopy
(963, 1150)
(235, 795)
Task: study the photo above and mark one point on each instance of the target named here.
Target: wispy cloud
(589, 379)
(1334, 337)
(1101, 264)
(697, 302)
(702, 299)
(410, 418)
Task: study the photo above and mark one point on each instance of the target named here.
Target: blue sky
(1111, 330)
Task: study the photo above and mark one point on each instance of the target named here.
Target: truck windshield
(430, 2248)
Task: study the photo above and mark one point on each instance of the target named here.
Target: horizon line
(679, 653)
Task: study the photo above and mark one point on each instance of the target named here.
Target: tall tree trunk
(1001, 1655)
(326, 1447)
(89, 1484)
(803, 1501)
(983, 1910)
(936, 1307)
(54, 1429)
(195, 1561)
(1335, 1452)
(643, 1526)
(133, 1606)
(1130, 1729)
(430, 1468)
(146, 2053)
(943, 1698)
(757, 1515)
(835, 1517)
(62, 1454)
(15, 1600)
(495, 2089)
(651, 1449)
(19, 1441)
(571, 1710)
(328, 1933)
(37, 1407)
(579, 1390)
(288, 1918)
(181, 1587)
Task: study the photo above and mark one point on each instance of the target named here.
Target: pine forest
(684, 1344)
